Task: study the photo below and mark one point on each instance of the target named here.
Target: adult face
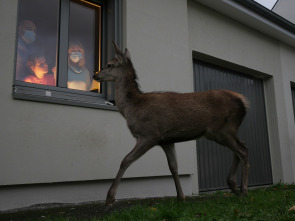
(75, 53)
(28, 31)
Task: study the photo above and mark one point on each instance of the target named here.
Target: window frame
(111, 29)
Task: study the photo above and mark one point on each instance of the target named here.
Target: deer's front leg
(140, 148)
(172, 162)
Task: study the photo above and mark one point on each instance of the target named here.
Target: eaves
(254, 15)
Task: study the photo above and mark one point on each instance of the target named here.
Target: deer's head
(114, 68)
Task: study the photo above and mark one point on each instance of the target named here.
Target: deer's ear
(127, 54)
(118, 53)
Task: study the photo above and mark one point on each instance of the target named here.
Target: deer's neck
(127, 91)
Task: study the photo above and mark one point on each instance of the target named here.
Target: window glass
(84, 46)
(37, 41)
(60, 44)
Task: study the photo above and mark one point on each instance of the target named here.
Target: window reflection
(84, 38)
(37, 41)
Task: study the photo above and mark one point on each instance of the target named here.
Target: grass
(273, 203)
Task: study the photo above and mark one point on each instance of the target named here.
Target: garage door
(214, 161)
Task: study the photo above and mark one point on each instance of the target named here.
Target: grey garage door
(214, 161)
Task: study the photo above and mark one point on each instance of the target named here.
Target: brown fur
(168, 117)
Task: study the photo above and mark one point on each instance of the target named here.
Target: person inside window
(38, 69)
(26, 41)
(78, 74)
(54, 72)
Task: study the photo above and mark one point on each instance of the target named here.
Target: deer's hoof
(181, 198)
(108, 208)
(244, 192)
(109, 204)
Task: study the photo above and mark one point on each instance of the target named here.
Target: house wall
(285, 8)
(231, 44)
(45, 143)
(288, 74)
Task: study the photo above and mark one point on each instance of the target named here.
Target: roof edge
(268, 14)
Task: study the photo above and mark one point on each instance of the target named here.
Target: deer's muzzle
(96, 76)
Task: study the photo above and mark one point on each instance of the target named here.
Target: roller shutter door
(214, 161)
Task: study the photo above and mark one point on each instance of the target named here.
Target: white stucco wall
(49, 143)
(285, 8)
(288, 74)
(44, 142)
(214, 34)
(157, 36)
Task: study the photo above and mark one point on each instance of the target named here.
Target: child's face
(40, 67)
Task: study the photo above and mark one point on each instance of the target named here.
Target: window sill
(48, 94)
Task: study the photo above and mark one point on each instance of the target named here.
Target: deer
(165, 118)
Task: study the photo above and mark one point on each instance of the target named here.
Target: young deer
(166, 118)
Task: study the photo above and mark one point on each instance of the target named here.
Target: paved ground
(39, 212)
(72, 211)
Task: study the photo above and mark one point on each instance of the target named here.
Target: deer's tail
(245, 101)
(243, 104)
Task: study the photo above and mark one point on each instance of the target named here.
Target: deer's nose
(96, 76)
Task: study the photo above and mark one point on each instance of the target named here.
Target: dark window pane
(37, 41)
(84, 45)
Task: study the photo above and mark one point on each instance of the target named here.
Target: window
(84, 44)
(60, 45)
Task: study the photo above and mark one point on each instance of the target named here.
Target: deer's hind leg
(172, 162)
(232, 176)
(241, 154)
(229, 139)
(245, 168)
